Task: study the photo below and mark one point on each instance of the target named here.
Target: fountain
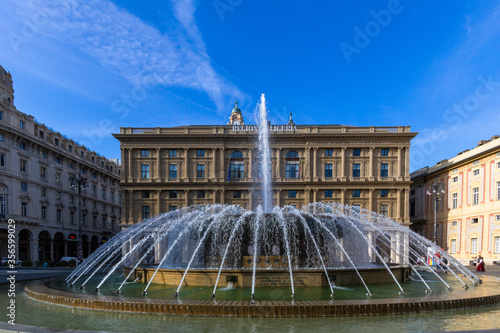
(338, 251)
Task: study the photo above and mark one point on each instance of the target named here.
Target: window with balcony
(292, 165)
(384, 209)
(236, 166)
(145, 212)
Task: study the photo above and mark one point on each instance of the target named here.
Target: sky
(87, 68)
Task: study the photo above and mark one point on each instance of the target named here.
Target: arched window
(236, 166)
(292, 164)
(3, 201)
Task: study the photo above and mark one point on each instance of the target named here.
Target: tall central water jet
(265, 156)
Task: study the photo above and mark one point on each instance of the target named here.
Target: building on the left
(38, 172)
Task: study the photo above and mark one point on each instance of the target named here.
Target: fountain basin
(268, 277)
(474, 297)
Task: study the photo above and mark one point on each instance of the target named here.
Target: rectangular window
(384, 170)
(498, 190)
(172, 171)
(145, 153)
(112, 196)
(237, 170)
(22, 145)
(104, 193)
(173, 207)
(173, 195)
(22, 124)
(82, 154)
(44, 213)
(145, 212)
(145, 194)
(454, 201)
(58, 195)
(57, 160)
(43, 191)
(498, 165)
(94, 221)
(453, 246)
(201, 194)
(328, 170)
(72, 218)
(84, 219)
(328, 193)
(384, 152)
(42, 172)
(475, 195)
(237, 194)
(413, 209)
(356, 152)
(356, 193)
(70, 148)
(144, 170)
(356, 170)
(2, 159)
(200, 171)
(454, 223)
(497, 217)
(22, 165)
(58, 216)
(56, 141)
(384, 193)
(172, 153)
(473, 245)
(384, 209)
(24, 186)
(497, 244)
(476, 172)
(2, 138)
(200, 153)
(24, 209)
(455, 179)
(475, 220)
(292, 194)
(328, 152)
(3, 204)
(58, 177)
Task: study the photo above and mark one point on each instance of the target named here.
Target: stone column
(398, 205)
(186, 198)
(342, 162)
(222, 166)
(407, 163)
(342, 196)
(370, 199)
(214, 164)
(130, 171)
(250, 199)
(222, 196)
(278, 164)
(315, 163)
(370, 171)
(158, 165)
(89, 248)
(307, 166)
(52, 250)
(214, 196)
(158, 201)
(406, 201)
(186, 165)
(307, 196)
(65, 248)
(278, 198)
(399, 175)
(250, 161)
(131, 207)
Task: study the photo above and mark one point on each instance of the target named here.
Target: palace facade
(166, 168)
(36, 165)
(462, 196)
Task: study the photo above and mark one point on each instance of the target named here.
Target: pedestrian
(480, 264)
(474, 263)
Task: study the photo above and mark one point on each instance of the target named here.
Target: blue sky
(87, 68)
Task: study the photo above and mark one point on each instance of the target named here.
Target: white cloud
(126, 45)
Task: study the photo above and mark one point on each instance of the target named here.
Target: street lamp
(436, 189)
(79, 184)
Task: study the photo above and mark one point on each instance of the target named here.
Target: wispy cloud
(127, 46)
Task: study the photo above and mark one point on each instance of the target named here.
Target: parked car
(69, 258)
(5, 259)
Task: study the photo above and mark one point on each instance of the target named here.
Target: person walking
(480, 264)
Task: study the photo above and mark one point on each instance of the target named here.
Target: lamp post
(436, 189)
(79, 184)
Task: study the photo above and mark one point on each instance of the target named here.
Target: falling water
(265, 155)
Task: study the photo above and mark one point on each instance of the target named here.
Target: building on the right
(456, 203)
